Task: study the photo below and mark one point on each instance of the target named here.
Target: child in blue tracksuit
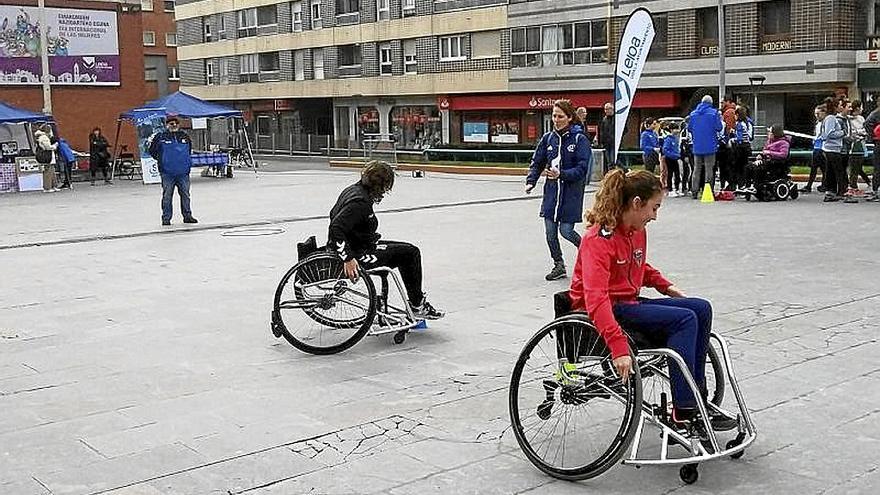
(68, 158)
(649, 142)
(672, 156)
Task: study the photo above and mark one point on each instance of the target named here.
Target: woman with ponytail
(612, 268)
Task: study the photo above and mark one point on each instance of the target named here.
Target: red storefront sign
(544, 101)
(283, 105)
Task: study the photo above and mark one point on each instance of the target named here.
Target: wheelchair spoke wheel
(319, 310)
(571, 414)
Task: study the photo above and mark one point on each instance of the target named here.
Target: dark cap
(172, 117)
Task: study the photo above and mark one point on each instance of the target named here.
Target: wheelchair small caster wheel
(689, 474)
(733, 443)
(399, 337)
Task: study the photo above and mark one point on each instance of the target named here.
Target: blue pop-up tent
(14, 115)
(185, 106)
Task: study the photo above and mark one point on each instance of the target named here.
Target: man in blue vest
(172, 150)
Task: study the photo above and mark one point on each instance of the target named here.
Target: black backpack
(43, 156)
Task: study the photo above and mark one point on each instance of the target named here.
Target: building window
(249, 68)
(269, 62)
(318, 63)
(409, 5)
(151, 74)
(344, 7)
(299, 69)
(206, 31)
(170, 39)
(209, 73)
(223, 77)
(383, 9)
(350, 56)
(577, 43)
(147, 5)
(149, 38)
(452, 48)
(267, 15)
(707, 34)
(385, 64)
(169, 5)
(661, 30)
(173, 73)
(221, 31)
(486, 44)
(776, 18)
(297, 14)
(247, 23)
(316, 14)
(410, 63)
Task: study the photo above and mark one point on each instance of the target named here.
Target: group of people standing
(839, 150)
(49, 146)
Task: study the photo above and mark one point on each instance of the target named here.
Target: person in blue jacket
(172, 150)
(649, 142)
(563, 156)
(704, 124)
(67, 159)
(672, 156)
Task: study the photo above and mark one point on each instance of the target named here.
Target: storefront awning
(544, 101)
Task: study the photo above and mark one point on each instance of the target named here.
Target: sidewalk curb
(443, 169)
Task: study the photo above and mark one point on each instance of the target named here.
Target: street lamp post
(756, 82)
(722, 62)
(44, 57)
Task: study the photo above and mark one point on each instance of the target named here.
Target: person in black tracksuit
(352, 235)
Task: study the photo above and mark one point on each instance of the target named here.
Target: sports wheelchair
(574, 418)
(319, 310)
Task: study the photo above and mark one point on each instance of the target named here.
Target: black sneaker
(721, 422)
(806, 190)
(850, 199)
(425, 311)
(190, 220)
(831, 198)
(822, 189)
(557, 272)
(873, 197)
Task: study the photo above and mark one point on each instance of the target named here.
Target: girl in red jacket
(610, 272)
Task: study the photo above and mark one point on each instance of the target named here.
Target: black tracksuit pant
(403, 256)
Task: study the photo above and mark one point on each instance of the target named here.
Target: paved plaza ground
(137, 359)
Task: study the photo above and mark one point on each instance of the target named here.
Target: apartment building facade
(434, 72)
(161, 73)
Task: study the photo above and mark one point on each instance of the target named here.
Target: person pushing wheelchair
(609, 273)
(352, 235)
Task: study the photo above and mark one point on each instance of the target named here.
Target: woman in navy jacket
(563, 156)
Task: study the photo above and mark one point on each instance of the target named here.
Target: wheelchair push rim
(319, 310)
(570, 413)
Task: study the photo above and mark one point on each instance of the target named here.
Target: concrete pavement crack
(850, 480)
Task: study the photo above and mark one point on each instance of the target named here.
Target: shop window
(249, 68)
(661, 30)
(315, 10)
(149, 38)
(383, 10)
(410, 62)
(299, 72)
(350, 56)
(385, 64)
(499, 127)
(452, 48)
(707, 34)
(416, 127)
(368, 122)
(296, 11)
(264, 125)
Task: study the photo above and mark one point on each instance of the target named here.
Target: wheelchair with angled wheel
(319, 310)
(574, 418)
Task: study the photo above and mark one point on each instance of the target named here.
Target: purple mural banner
(87, 70)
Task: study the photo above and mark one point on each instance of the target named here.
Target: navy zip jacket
(172, 150)
(672, 147)
(705, 124)
(570, 152)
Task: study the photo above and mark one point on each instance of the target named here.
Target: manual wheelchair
(574, 418)
(319, 310)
